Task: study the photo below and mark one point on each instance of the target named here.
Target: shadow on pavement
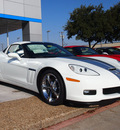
(21, 89)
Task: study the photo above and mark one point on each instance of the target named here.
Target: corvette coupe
(57, 75)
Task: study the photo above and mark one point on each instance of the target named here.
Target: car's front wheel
(51, 87)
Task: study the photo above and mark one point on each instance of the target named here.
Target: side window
(16, 49)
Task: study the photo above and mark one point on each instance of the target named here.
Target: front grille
(111, 90)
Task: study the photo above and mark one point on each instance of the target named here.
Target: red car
(83, 51)
(117, 47)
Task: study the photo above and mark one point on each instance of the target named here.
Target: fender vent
(30, 76)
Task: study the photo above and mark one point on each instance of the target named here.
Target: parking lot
(10, 92)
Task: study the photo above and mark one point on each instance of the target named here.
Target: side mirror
(14, 55)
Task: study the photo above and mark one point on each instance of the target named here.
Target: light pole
(62, 37)
(18, 39)
(48, 35)
(2, 46)
(7, 37)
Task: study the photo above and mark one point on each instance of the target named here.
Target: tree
(115, 21)
(92, 24)
(112, 29)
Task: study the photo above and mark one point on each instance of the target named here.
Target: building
(21, 14)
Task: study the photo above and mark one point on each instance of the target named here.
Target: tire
(51, 87)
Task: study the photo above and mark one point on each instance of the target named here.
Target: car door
(15, 70)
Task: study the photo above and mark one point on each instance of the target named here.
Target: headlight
(83, 70)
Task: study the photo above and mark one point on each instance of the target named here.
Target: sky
(55, 14)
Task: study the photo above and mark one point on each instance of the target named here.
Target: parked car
(108, 50)
(117, 47)
(57, 75)
(83, 51)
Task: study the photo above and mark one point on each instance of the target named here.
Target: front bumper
(101, 103)
(93, 89)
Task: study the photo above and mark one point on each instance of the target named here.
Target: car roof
(22, 42)
(28, 42)
(104, 47)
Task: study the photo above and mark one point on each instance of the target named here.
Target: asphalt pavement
(9, 93)
(106, 120)
(103, 118)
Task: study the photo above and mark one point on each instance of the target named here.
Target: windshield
(38, 50)
(82, 51)
(110, 50)
(114, 51)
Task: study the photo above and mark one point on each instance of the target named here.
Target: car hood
(83, 61)
(61, 63)
(92, 63)
(88, 60)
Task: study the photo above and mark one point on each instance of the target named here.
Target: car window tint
(114, 50)
(37, 50)
(85, 51)
(73, 51)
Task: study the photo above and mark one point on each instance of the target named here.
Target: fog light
(89, 92)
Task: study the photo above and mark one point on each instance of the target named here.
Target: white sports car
(57, 75)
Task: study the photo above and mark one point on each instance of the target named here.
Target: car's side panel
(15, 70)
(2, 59)
(0, 71)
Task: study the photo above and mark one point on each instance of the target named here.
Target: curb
(83, 116)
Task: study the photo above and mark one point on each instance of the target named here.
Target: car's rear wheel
(51, 87)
